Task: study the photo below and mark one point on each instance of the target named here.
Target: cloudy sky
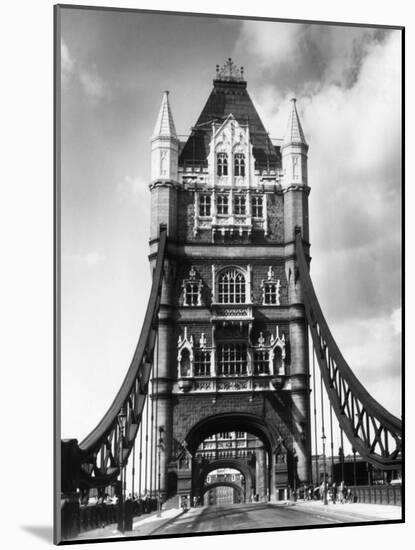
(115, 66)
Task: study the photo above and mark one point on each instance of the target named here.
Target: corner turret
(294, 151)
(164, 145)
(164, 168)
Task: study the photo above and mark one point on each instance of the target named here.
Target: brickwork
(275, 218)
(188, 410)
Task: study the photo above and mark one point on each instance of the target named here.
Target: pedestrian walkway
(354, 510)
(143, 526)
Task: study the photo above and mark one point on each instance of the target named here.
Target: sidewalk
(143, 526)
(355, 510)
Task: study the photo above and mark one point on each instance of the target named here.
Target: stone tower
(233, 351)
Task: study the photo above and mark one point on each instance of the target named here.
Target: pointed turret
(294, 151)
(164, 168)
(295, 179)
(164, 145)
(165, 125)
(294, 134)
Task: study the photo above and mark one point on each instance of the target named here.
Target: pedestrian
(341, 492)
(334, 492)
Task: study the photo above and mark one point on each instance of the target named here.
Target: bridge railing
(97, 516)
(377, 494)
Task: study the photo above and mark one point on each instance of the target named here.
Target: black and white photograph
(228, 207)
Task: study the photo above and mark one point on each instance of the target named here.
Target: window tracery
(257, 206)
(232, 359)
(240, 205)
(222, 205)
(231, 287)
(222, 164)
(204, 206)
(192, 290)
(270, 289)
(239, 164)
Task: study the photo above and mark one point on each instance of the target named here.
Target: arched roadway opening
(233, 422)
(233, 464)
(230, 422)
(238, 491)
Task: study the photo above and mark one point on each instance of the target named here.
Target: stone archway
(248, 422)
(234, 486)
(238, 421)
(234, 464)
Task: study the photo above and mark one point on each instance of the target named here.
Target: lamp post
(341, 454)
(295, 459)
(159, 449)
(325, 502)
(354, 466)
(121, 418)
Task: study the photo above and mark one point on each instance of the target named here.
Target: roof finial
(230, 72)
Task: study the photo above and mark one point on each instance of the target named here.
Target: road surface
(265, 515)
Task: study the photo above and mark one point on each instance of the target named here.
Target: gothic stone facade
(232, 332)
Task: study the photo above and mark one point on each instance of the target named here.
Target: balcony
(245, 383)
(232, 313)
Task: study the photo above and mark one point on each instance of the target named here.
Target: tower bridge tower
(232, 349)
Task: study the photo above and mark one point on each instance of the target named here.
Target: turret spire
(294, 134)
(165, 125)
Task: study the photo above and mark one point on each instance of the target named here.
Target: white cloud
(91, 83)
(347, 82)
(67, 63)
(91, 258)
(94, 258)
(133, 188)
(396, 319)
(94, 86)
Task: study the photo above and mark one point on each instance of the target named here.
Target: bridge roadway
(265, 515)
(251, 516)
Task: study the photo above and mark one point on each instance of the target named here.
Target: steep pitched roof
(165, 125)
(294, 133)
(229, 96)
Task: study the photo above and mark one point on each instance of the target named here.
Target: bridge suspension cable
(97, 461)
(373, 431)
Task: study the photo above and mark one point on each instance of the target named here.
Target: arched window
(222, 162)
(231, 287)
(239, 164)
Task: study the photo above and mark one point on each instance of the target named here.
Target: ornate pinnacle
(230, 72)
